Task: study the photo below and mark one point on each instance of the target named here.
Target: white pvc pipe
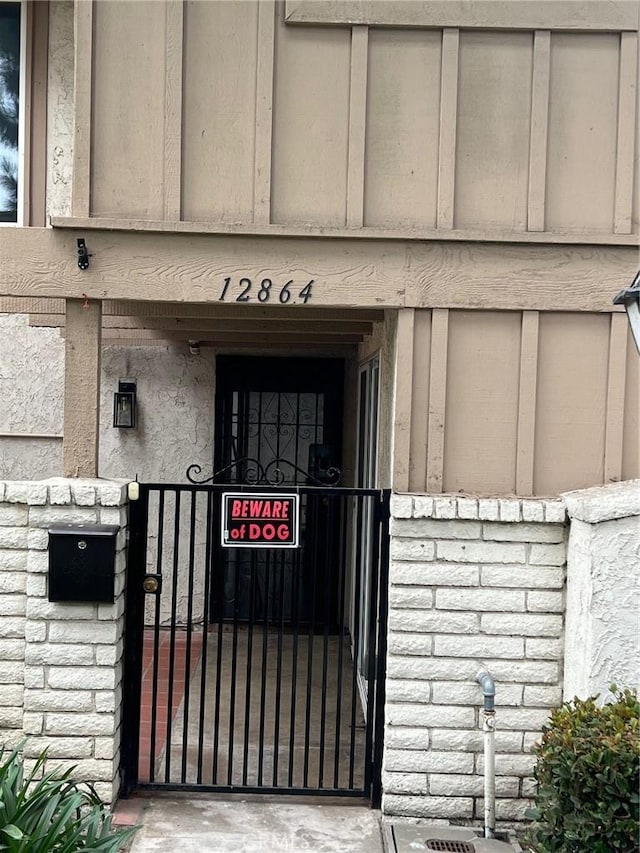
(489, 728)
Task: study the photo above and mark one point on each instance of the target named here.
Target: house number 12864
(246, 290)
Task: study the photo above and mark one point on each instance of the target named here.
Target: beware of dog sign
(260, 520)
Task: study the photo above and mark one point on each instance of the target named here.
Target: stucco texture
(603, 590)
(175, 407)
(175, 393)
(31, 398)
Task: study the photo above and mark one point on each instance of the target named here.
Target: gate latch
(152, 584)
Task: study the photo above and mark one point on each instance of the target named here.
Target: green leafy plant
(588, 772)
(51, 814)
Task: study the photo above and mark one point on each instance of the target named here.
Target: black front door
(279, 421)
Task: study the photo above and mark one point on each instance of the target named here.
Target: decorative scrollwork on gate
(253, 473)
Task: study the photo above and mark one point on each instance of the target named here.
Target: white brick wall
(475, 583)
(60, 664)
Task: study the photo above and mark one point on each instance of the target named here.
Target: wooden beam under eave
(212, 326)
(288, 351)
(586, 15)
(229, 338)
(193, 268)
(81, 424)
(347, 274)
(213, 311)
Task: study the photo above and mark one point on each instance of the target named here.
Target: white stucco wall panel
(603, 503)
(22, 458)
(31, 399)
(31, 396)
(603, 590)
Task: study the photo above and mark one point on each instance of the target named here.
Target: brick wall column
(68, 696)
(475, 584)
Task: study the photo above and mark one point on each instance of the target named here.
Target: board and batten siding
(235, 113)
(515, 402)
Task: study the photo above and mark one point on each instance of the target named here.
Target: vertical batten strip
(420, 399)
(82, 78)
(437, 398)
(525, 445)
(616, 380)
(448, 122)
(264, 112)
(403, 400)
(357, 126)
(539, 130)
(174, 40)
(37, 161)
(81, 419)
(26, 118)
(626, 132)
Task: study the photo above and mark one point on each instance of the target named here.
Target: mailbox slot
(82, 561)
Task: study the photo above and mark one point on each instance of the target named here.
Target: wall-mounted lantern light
(630, 298)
(124, 405)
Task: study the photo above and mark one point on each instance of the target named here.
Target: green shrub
(51, 814)
(587, 770)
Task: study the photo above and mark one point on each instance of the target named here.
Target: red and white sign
(260, 520)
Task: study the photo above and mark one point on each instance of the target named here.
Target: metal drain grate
(450, 846)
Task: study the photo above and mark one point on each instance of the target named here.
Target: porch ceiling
(213, 325)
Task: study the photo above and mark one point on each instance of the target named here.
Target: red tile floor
(162, 703)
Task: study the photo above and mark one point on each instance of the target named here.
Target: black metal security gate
(280, 690)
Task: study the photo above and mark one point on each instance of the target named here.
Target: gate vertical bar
(263, 686)
(234, 673)
(205, 633)
(276, 722)
(156, 645)
(220, 567)
(357, 615)
(325, 643)
(381, 654)
(342, 581)
(247, 695)
(187, 653)
(172, 640)
(294, 663)
(310, 643)
(134, 638)
(371, 668)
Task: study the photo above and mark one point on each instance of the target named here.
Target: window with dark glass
(9, 109)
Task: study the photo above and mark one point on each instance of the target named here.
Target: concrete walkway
(206, 824)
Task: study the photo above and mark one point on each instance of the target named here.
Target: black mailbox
(82, 562)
